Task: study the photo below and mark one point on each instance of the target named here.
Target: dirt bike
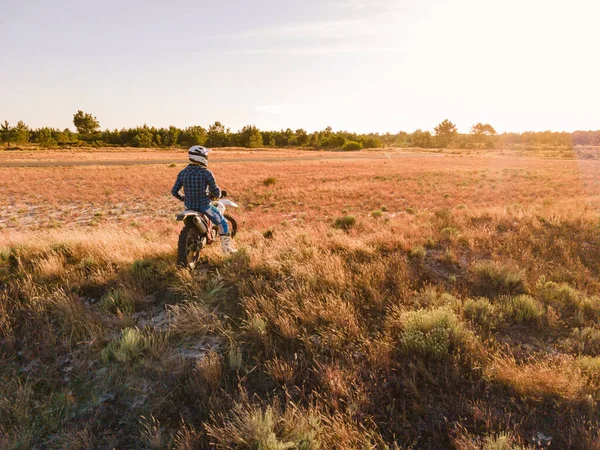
(199, 231)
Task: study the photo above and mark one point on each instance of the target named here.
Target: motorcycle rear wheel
(189, 245)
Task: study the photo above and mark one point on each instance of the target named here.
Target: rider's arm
(215, 191)
(176, 188)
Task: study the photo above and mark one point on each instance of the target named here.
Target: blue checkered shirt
(197, 183)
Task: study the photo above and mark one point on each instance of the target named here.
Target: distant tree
(371, 142)
(171, 136)
(45, 137)
(403, 139)
(65, 137)
(421, 139)
(445, 132)
(143, 137)
(333, 141)
(481, 130)
(218, 135)
(21, 133)
(268, 138)
(301, 137)
(85, 123)
(7, 133)
(250, 137)
(194, 135)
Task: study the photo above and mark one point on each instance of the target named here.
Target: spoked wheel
(189, 246)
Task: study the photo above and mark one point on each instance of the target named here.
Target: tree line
(445, 134)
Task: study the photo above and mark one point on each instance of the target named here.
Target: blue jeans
(217, 218)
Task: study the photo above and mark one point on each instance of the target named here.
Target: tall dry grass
(470, 321)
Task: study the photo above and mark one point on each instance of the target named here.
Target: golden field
(379, 300)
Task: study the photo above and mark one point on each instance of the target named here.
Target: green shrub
(432, 333)
(371, 142)
(133, 346)
(345, 222)
(590, 307)
(117, 301)
(449, 232)
(559, 295)
(569, 300)
(254, 428)
(590, 366)
(269, 181)
(482, 312)
(418, 252)
(523, 308)
(586, 341)
(491, 278)
(502, 441)
(376, 214)
(352, 145)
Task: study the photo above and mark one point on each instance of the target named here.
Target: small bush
(252, 427)
(372, 142)
(482, 312)
(418, 252)
(491, 278)
(433, 333)
(269, 181)
(586, 341)
(345, 222)
(117, 301)
(523, 308)
(569, 300)
(133, 346)
(590, 366)
(449, 232)
(376, 214)
(501, 442)
(559, 295)
(352, 145)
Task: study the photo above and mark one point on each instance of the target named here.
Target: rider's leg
(217, 218)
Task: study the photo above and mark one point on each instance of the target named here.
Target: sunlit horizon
(362, 66)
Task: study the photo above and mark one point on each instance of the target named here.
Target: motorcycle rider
(198, 185)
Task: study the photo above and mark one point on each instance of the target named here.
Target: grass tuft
(483, 313)
(433, 333)
(270, 181)
(345, 222)
(523, 309)
(492, 278)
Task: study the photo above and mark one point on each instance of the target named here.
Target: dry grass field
(408, 301)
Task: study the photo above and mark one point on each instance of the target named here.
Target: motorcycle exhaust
(200, 225)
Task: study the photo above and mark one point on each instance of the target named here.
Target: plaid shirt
(197, 183)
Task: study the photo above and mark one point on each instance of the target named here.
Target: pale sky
(357, 65)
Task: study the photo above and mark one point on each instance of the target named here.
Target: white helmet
(199, 155)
